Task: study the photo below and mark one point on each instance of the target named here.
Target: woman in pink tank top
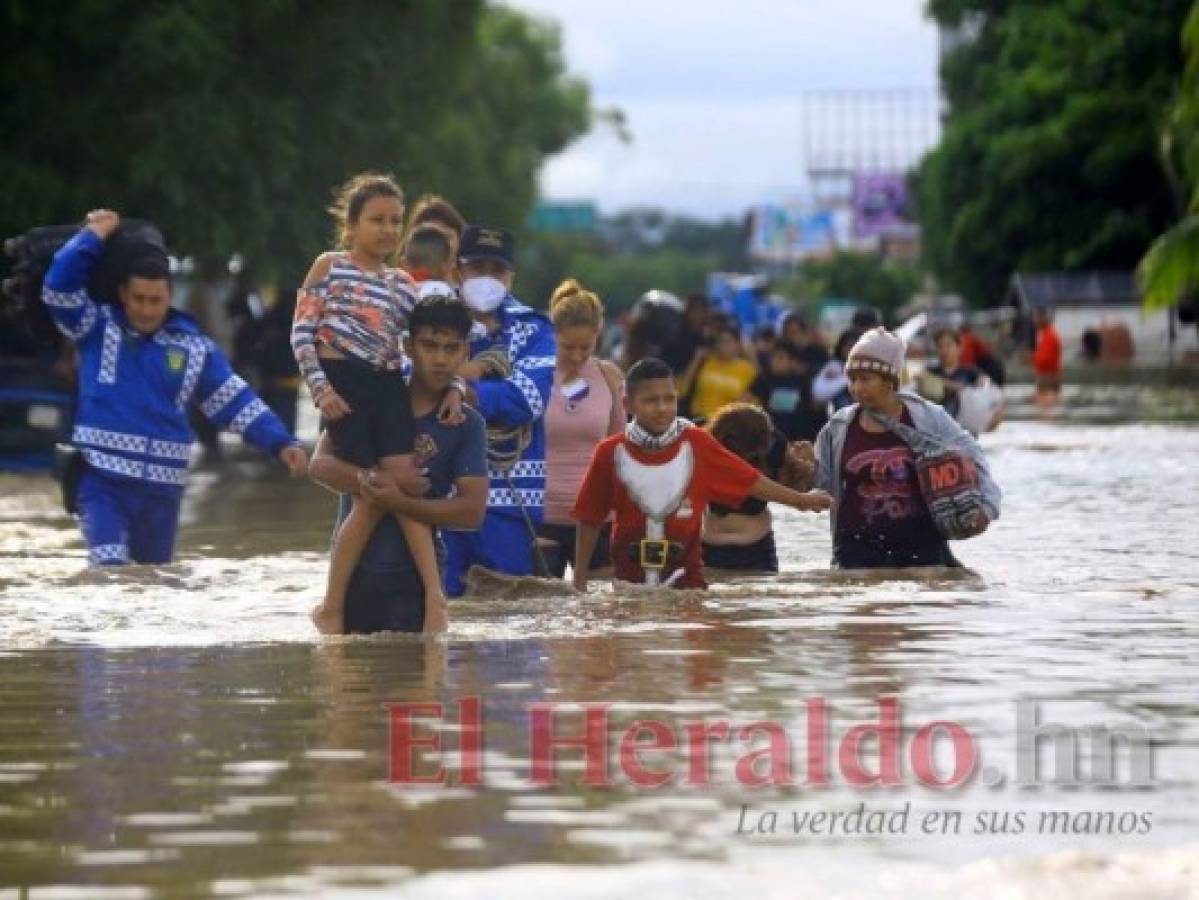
(585, 406)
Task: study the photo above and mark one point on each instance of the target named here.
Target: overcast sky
(714, 91)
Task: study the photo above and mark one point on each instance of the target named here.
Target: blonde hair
(571, 306)
(351, 197)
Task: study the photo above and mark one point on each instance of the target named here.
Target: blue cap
(487, 243)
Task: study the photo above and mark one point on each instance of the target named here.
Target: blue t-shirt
(448, 452)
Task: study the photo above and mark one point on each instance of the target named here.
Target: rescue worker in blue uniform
(510, 375)
(140, 365)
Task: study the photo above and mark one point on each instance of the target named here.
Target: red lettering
(817, 742)
(631, 745)
(965, 754)
(699, 769)
(470, 747)
(777, 753)
(945, 475)
(403, 741)
(593, 742)
(886, 733)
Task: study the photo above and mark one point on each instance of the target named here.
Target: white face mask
(484, 293)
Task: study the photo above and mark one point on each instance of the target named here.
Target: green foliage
(1170, 269)
(634, 252)
(1048, 156)
(861, 277)
(229, 124)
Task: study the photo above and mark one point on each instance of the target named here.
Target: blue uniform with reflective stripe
(503, 543)
(131, 420)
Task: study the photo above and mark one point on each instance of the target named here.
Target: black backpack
(33, 251)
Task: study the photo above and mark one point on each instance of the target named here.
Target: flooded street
(180, 731)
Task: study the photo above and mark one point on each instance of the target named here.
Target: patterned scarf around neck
(639, 437)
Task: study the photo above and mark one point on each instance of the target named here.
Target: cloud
(714, 91)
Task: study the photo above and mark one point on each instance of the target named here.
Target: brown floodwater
(180, 731)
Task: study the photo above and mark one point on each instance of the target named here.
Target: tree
(1170, 269)
(1047, 159)
(633, 252)
(863, 278)
(229, 124)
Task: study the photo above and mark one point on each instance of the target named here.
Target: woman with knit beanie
(880, 519)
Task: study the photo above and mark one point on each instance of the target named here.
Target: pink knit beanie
(878, 350)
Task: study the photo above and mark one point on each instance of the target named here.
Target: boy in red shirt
(666, 465)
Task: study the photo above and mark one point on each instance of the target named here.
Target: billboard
(784, 233)
(879, 204)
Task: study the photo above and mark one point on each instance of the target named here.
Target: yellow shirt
(719, 383)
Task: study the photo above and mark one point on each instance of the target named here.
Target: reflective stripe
(529, 390)
(536, 362)
(196, 351)
(86, 322)
(130, 443)
(109, 463)
(107, 553)
(507, 497)
(109, 351)
(165, 474)
(246, 417)
(534, 468)
(222, 396)
(171, 450)
(132, 468)
(60, 300)
(113, 440)
(521, 332)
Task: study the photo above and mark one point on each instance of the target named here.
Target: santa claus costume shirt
(718, 476)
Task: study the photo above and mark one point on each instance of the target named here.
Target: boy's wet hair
(647, 369)
(744, 429)
(441, 313)
(430, 246)
(149, 266)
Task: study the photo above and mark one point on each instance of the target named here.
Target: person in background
(720, 376)
(864, 318)
(764, 341)
(1047, 356)
(584, 408)
(831, 385)
(811, 343)
(978, 353)
(949, 368)
(690, 337)
(643, 337)
(784, 388)
(428, 256)
(435, 209)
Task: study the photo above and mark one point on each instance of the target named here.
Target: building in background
(860, 147)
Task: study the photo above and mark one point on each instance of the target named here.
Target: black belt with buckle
(654, 555)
